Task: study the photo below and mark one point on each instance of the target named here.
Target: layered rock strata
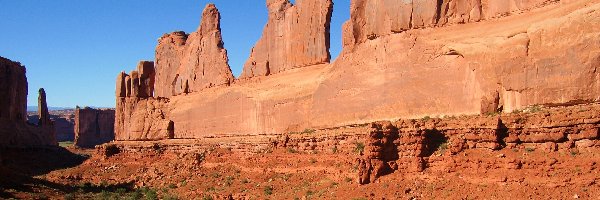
(295, 36)
(412, 145)
(13, 110)
(506, 64)
(371, 19)
(94, 126)
(428, 145)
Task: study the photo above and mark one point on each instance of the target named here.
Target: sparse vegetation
(313, 160)
(529, 149)
(534, 109)
(65, 144)
(291, 150)
(215, 175)
(492, 114)
(229, 180)
(308, 131)
(268, 190)
(206, 197)
(359, 148)
(426, 118)
(348, 179)
(574, 153)
(334, 149)
(443, 147)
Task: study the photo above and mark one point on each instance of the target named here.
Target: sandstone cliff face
(94, 127)
(13, 110)
(13, 89)
(505, 64)
(142, 119)
(371, 19)
(295, 36)
(138, 115)
(190, 63)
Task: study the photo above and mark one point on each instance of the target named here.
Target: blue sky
(75, 48)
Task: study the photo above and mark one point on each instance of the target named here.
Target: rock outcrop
(453, 68)
(190, 63)
(295, 36)
(13, 110)
(94, 126)
(371, 19)
(44, 116)
(143, 119)
(13, 89)
(413, 145)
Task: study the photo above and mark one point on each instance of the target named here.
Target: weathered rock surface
(13, 110)
(409, 145)
(13, 89)
(94, 126)
(505, 64)
(295, 36)
(44, 116)
(142, 119)
(190, 63)
(371, 19)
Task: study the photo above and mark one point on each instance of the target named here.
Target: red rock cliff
(375, 18)
(14, 130)
(94, 126)
(295, 36)
(445, 63)
(189, 63)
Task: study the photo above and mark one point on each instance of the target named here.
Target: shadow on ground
(19, 167)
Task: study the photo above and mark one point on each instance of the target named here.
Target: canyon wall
(375, 18)
(94, 126)
(295, 36)
(453, 58)
(14, 129)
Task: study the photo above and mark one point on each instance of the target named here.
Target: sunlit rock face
(189, 63)
(294, 36)
(458, 57)
(94, 126)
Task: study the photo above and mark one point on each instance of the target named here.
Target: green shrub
(268, 190)
(308, 131)
(172, 186)
(359, 148)
(151, 194)
(291, 150)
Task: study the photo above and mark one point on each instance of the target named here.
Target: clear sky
(75, 48)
